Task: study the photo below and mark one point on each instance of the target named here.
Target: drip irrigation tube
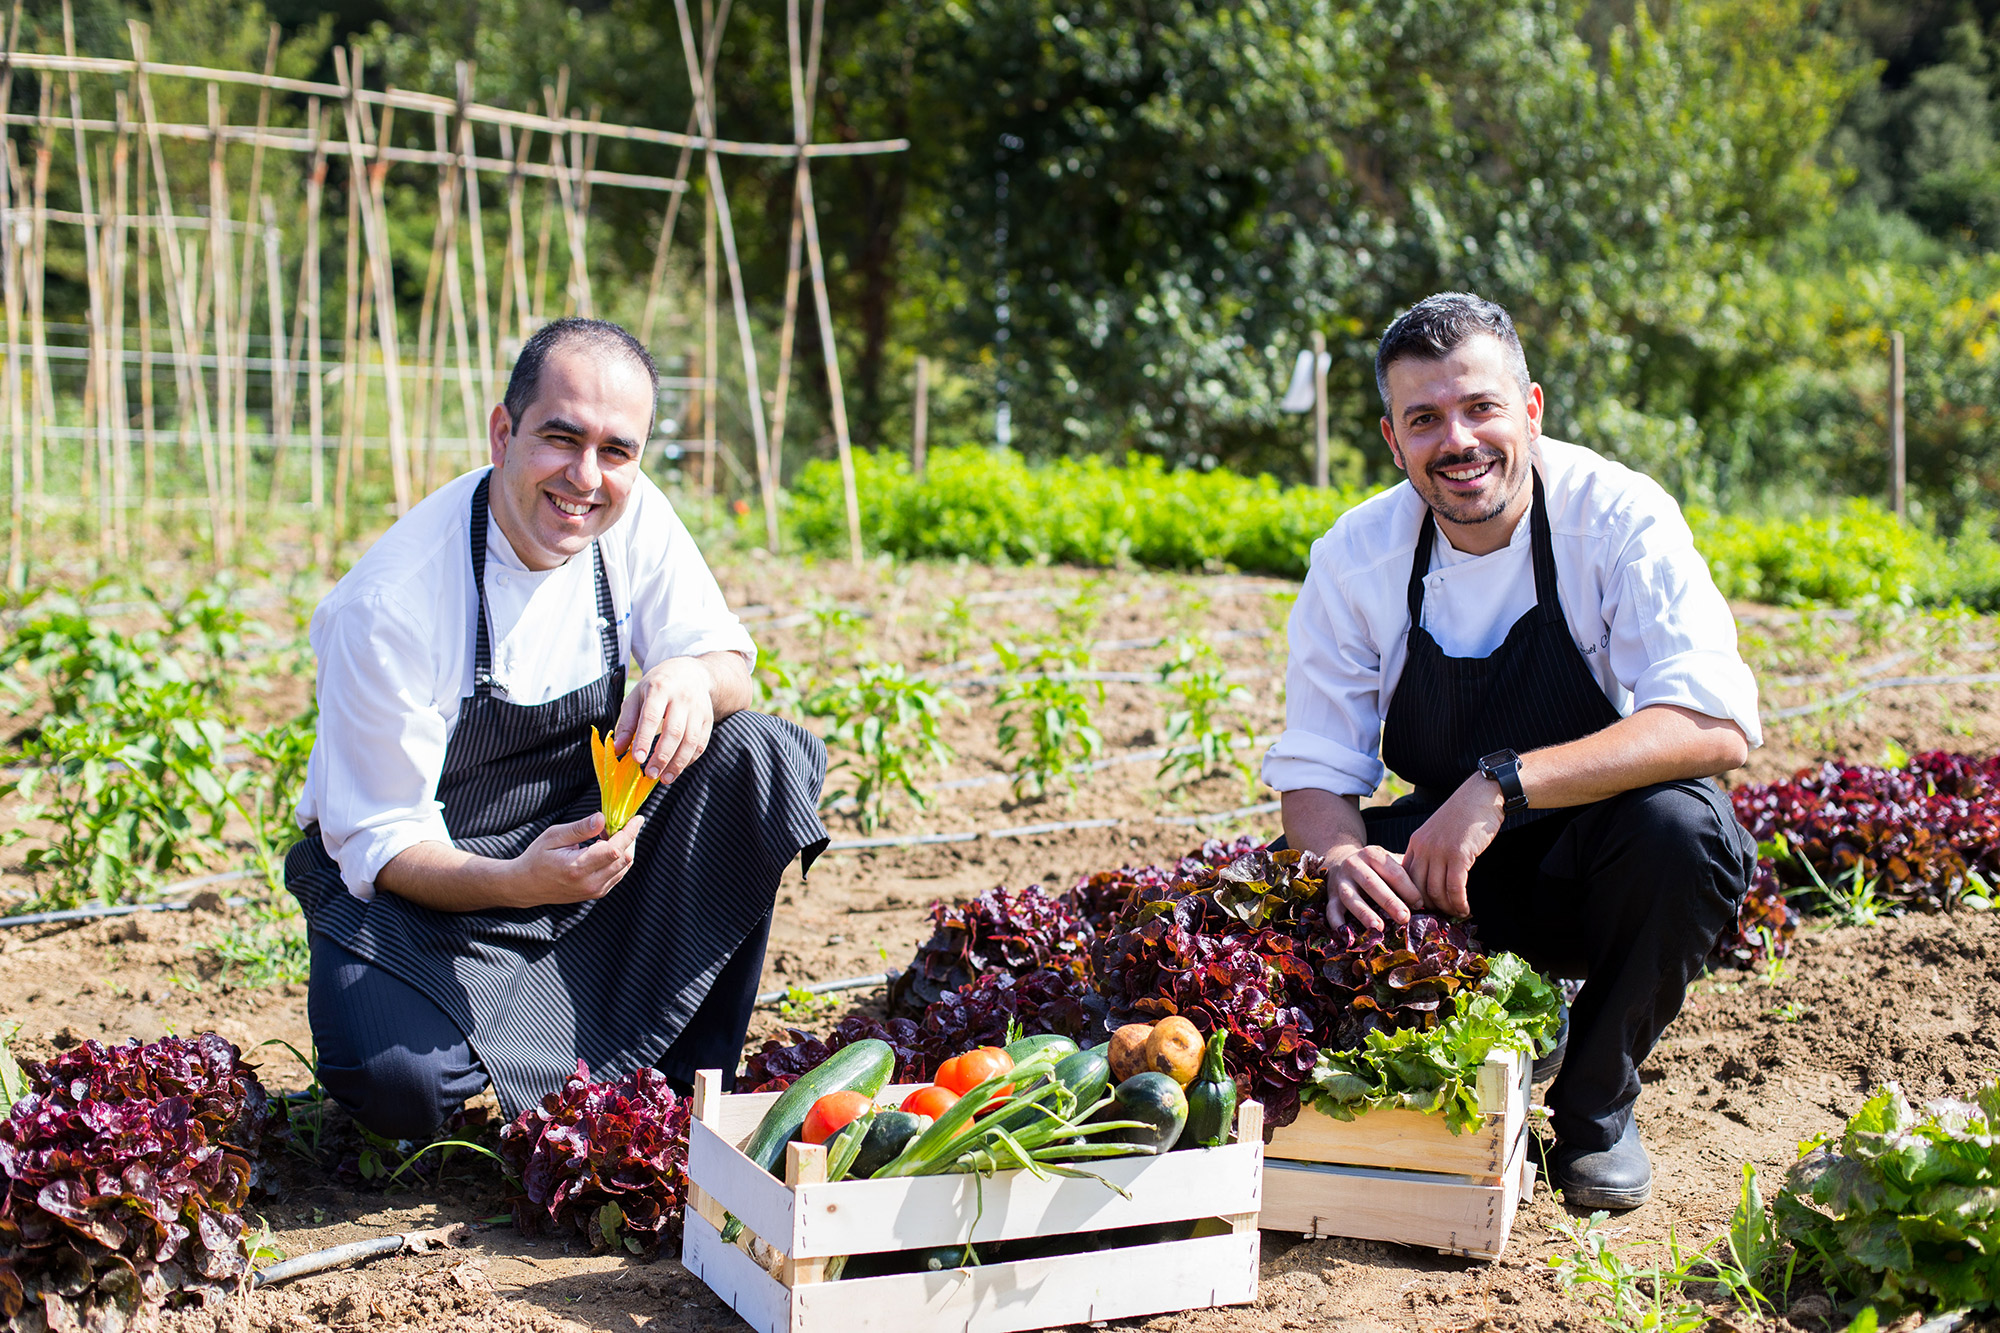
(104, 910)
(1893, 683)
(1037, 830)
(831, 987)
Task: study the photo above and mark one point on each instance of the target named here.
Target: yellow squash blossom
(622, 787)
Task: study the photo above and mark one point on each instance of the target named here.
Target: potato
(1173, 1049)
(1128, 1050)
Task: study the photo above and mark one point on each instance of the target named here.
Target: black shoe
(1618, 1177)
(1548, 1066)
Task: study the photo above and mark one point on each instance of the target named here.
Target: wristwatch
(1504, 767)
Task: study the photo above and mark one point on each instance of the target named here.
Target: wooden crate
(797, 1224)
(1403, 1176)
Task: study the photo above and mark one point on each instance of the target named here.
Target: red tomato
(963, 1073)
(932, 1101)
(833, 1113)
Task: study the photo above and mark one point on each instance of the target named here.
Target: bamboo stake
(375, 233)
(121, 172)
(281, 365)
(835, 394)
(285, 385)
(11, 279)
(147, 389)
(517, 244)
(180, 317)
(805, 83)
(542, 222)
(480, 294)
(427, 383)
(45, 412)
(247, 285)
(559, 178)
(738, 299)
(710, 342)
(95, 395)
(711, 46)
(350, 351)
(231, 449)
(315, 382)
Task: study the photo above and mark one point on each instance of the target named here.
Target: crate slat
(758, 1199)
(923, 1212)
(1414, 1141)
(1456, 1214)
(1039, 1293)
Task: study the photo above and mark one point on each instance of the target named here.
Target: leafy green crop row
(994, 506)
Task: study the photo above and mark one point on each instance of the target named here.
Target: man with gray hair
(1525, 634)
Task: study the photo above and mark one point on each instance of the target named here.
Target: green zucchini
(886, 1137)
(1211, 1100)
(865, 1067)
(1017, 1051)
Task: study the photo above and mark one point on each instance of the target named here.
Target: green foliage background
(1705, 216)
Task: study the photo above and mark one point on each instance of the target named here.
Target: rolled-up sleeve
(678, 608)
(381, 742)
(1333, 718)
(1672, 636)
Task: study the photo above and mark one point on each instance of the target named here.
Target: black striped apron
(613, 981)
(1447, 713)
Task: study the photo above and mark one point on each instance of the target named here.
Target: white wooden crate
(1403, 1176)
(803, 1221)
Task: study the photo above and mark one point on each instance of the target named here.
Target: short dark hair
(1434, 327)
(525, 384)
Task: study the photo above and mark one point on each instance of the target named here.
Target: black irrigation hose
(830, 987)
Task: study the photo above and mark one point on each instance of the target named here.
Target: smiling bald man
(469, 921)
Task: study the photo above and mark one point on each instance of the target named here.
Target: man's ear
(1395, 450)
(499, 430)
(1536, 405)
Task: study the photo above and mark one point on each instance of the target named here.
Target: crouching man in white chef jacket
(469, 922)
(1524, 632)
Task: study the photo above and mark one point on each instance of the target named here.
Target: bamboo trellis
(248, 373)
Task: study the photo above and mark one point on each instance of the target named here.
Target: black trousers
(401, 1066)
(1630, 895)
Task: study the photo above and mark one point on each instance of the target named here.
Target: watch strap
(1504, 767)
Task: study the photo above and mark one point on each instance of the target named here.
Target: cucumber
(865, 1067)
(1086, 1074)
(1017, 1051)
(886, 1137)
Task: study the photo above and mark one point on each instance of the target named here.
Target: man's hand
(556, 868)
(1367, 879)
(667, 719)
(1441, 852)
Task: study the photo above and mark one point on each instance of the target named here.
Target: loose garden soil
(1753, 1064)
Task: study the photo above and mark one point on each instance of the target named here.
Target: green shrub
(993, 506)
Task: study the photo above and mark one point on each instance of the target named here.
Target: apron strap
(482, 653)
(1540, 541)
(1546, 604)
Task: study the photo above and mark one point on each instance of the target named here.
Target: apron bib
(1447, 713)
(611, 981)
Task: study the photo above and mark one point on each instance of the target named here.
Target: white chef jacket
(394, 641)
(1635, 593)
